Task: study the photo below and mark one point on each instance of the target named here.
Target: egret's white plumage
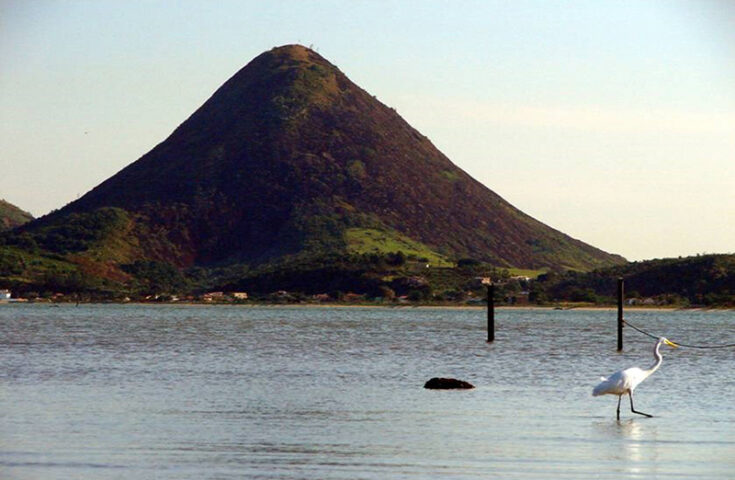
(625, 381)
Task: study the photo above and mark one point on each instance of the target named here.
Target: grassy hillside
(372, 241)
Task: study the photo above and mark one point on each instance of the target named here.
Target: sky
(611, 121)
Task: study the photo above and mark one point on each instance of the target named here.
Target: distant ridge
(12, 216)
(289, 162)
(701, 280)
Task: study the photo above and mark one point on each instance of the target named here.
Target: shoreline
(610, 308)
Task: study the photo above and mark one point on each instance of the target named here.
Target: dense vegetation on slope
(289, 155)
(290, 165)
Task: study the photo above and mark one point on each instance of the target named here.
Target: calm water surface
(189, 392)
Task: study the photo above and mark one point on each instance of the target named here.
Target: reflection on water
(222, 392)
(631, 443)
(639, 446)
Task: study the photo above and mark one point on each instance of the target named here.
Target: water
(190, 392)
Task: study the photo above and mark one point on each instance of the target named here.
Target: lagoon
(220, 392)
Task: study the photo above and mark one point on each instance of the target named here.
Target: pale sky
(612, 121)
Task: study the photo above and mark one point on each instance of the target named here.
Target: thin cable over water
(728, 345)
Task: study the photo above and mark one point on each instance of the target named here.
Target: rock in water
(447, 384)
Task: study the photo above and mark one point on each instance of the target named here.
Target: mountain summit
(290, 158)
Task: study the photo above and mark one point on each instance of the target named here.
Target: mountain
(290, 160)
(12, 216)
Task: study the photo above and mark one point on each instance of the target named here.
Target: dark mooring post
(490, 312)
(620, 314)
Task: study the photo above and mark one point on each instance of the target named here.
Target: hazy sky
(611, 121)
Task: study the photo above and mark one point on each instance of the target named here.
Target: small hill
(291, 163)
(12, 216)
(700, 280)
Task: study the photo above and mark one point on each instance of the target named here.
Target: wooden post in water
(490, 312)
(620, 314)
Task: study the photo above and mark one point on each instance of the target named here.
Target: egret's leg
(630, 394)
(619, 397)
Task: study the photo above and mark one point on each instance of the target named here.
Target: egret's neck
(659, 358)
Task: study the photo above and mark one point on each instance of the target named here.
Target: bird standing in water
(625, 381)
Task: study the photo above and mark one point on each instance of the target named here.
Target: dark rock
(447, 384)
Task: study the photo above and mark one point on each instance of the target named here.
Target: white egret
(625, 381)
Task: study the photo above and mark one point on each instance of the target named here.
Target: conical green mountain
(289, 158)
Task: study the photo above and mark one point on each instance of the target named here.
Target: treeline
(704, 280)
(373, 275)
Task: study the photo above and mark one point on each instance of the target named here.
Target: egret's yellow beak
(671, 344)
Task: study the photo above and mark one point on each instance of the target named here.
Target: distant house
(520, 278)
(239, 295)
(353, 297)
(641, 301)
(520, 298)
(4, 294)
(211, 296)
(321, 297)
